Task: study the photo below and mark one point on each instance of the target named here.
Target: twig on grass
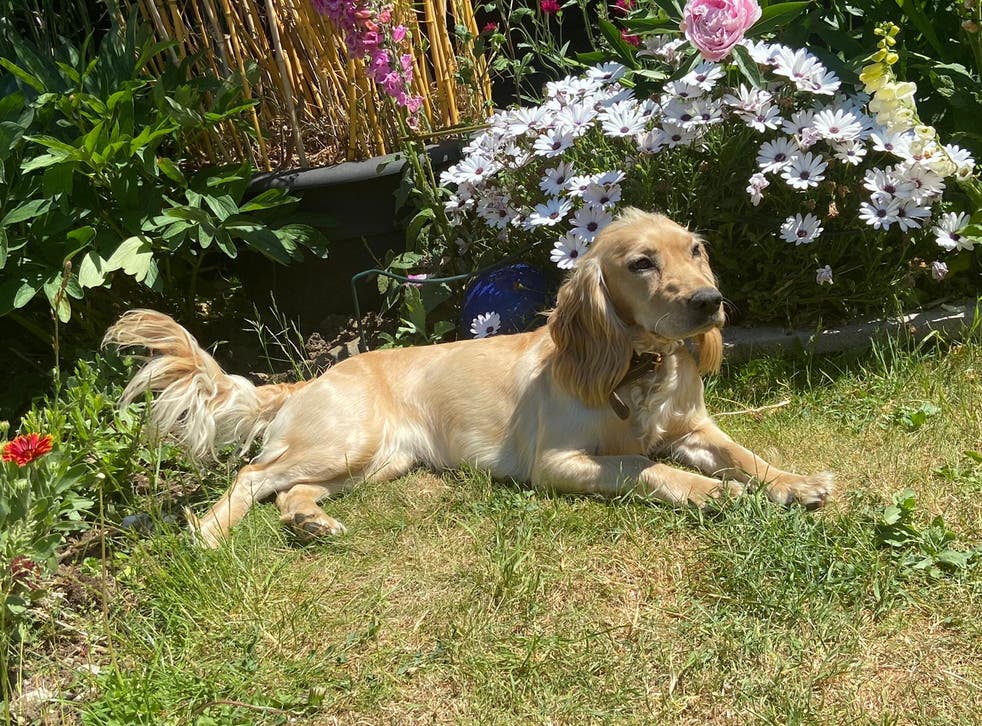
(759, 409)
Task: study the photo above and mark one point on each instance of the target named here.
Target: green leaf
(748, 66)
(262, 239)
(50, 142)
(42, 161)
(773, 17)
(624, 51)
(25, 293)
(27, 210)
(925, 25)
(134, 256)
(416, 225)
(223, 206)
(91, 272)
(268, 199)
(58, 179)
(303, 234)
(3, 248)
(32, 81)
(171, 171)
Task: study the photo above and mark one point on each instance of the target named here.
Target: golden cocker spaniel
(583, 405)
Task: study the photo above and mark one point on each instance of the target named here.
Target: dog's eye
(697, 250)
(640, 264)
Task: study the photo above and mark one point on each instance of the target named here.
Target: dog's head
(645, 277)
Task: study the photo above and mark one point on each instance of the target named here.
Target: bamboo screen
(317, 106)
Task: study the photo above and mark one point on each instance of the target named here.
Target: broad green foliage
(94, 182)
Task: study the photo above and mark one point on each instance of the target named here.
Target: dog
(587, 404)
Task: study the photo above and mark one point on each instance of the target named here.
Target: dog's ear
(710, 351)
(593, 348)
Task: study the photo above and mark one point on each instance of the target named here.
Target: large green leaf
(91, 271)
(28, 210)
(773, 17)
(624, 50)
(134, 256)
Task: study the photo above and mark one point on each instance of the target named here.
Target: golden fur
(533, 407)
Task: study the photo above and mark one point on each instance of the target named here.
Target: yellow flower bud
(924, 131)
(891, 41)
(879, 56)
(891, 58)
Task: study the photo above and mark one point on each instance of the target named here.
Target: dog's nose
(706, 300)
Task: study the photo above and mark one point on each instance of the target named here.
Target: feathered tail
(198, 403)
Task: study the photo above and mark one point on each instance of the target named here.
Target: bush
(96, 185)
(724, 148)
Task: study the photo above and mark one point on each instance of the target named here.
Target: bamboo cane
(285, 80)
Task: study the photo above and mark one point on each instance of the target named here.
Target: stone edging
(951, 320)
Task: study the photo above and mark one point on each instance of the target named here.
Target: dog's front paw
(808, 491)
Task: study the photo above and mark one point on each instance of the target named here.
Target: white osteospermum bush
(558, 173)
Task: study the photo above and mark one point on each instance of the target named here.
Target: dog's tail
(198, 403)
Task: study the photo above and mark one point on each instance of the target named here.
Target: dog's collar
(641, 365)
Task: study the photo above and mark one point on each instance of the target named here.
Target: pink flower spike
(399, 33)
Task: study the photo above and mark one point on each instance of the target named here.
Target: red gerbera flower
(549, 6)
(26, 448)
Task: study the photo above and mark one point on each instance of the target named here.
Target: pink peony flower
(715, 26)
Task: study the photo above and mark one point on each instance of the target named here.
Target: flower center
(802, 233)
(881, 213)
(573, 253)
(805, 174)
(592, 226)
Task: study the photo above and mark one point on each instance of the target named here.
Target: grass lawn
(456, 599)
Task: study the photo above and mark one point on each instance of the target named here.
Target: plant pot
(354, 205)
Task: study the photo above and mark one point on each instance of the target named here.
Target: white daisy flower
(677, 112)
(910, 214)
(801, 230)
(612, 95)
(767, 117)
(676, 135)
(552, 143)
(884, 182)
(823, 275)
(576, 118)
(589, 220)
(898, 144)
(822, 82)
(706, 111)
(850, 152)
(805, 171)
(927, 184)
(602, 195)
(485, 324)
(495, 211)
(758, 182)
(800, 66)
(703, 76)
(837, 125)
(606, 73)
(765, 54)
(614, 176)
(548, 214)
(880, 212)
(579, 184)
(565, 89)
(948, 232)
(776, 154)
(568, 250)
(651, 142)
(622, 119)
(681, 90)
(939, 270)
(660, 46)
(556, 179)
(473, 169)
(798, 123)
(961, 157)
(747, 99)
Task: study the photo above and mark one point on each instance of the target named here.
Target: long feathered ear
(593, 348)
(710, 351)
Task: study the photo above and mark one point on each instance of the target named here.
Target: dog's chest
(658, 406)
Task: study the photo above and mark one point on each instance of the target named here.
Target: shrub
(812, 208)
(95, 182)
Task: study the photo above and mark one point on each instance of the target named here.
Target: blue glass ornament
(518, 293)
